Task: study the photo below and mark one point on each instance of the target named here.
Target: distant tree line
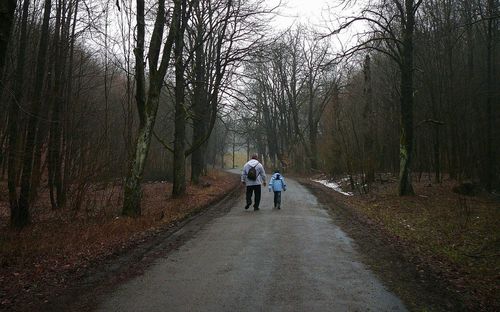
(418, 93)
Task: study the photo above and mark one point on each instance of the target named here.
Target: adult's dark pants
(253, 189)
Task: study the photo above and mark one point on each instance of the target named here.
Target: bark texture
(406, 67)
(148, 107)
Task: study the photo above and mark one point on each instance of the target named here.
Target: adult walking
(253, 176)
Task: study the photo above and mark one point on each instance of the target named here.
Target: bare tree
(393, 26)
(492, 8)
(179, 186)
(19, 214)
(148, 106)
(26, 178)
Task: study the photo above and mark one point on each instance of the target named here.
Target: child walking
(277, 184)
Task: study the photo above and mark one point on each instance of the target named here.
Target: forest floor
(453, 241)
(42, 260)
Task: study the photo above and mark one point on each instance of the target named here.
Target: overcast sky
(313, 11)
(317, 13)
(301, 11)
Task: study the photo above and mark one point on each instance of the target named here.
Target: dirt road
(293, 259)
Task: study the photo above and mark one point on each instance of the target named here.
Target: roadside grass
(457, 236)
(63, 243)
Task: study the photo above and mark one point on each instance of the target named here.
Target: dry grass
(456, 235)
(40, 256)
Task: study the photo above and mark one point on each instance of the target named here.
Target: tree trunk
(312, 152)
(179, 183)
(132, 188)
(7, 9)
(26, 178)
(200, 103)
(148, 109)
(132, 193)
(406, 139)
(437, 158)
(19, 215)
(490, 116)
(197, 158)
(54, 162)
(369, 137)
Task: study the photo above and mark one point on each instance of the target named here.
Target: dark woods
(97, 93)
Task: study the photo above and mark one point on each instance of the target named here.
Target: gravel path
(293, 259)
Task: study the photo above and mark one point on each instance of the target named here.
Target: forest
(99, 98)
(103, 92)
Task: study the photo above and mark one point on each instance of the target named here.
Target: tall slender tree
(19, 215)
(26, 177)
(179, 184)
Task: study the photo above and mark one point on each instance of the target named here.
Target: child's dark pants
(277, 199)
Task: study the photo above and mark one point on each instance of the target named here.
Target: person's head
(276, 171)
(255, 156)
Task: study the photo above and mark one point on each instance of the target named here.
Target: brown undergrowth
(456, 236)
(61, 244)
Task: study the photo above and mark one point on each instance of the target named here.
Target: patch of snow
(333, 186)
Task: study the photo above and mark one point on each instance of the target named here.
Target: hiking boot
(247, 206)
(255, 208)
(278, 206)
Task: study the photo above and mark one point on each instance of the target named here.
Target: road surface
(293, 259)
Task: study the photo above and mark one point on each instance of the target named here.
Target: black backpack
(252, 173)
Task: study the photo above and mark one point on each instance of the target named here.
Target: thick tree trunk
(19, 215)
(200, 102)
(197, 163)
(132, 193)
(179, 183)
(198, 157)
(26, 178)
(406, 140)
(132, 189)
(147, 109)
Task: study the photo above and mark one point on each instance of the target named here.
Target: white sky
(317, 13)
(302, 11)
